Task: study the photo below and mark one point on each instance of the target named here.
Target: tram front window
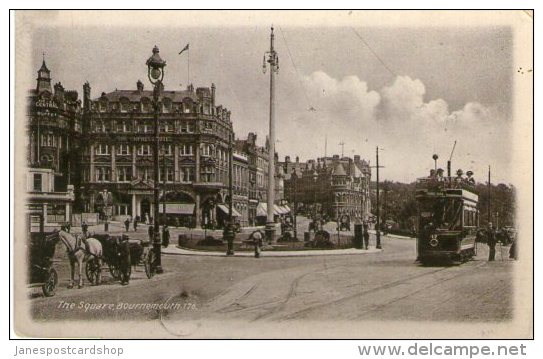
(441, 213)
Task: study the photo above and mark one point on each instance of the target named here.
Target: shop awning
(262, 210)
(285, 209)
(225, 210)
(178, 208)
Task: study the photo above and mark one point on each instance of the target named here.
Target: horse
(78, 253)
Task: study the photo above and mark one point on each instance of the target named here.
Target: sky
(412, 91)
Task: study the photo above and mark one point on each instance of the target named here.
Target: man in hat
(165, 236)
(491, 242)
(257, 240)
(366, 236)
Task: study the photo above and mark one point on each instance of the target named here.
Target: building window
(102, 149)
(123, 126)
(188, 174)
(103, 174)
(124, 174)
(169, 175)
(145, 173)
(206, 149)
(144, 150)
(123, 150)
(166, 149)
(166, 127)
(145, 128)
(37, 182)
(186, 150)
(125, 105)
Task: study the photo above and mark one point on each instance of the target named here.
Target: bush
(182, 240)
(210, 241)
(287, 237)
(322, 241)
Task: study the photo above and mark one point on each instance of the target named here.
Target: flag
(184, 48)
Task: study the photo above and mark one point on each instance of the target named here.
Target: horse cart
(121, 253)
(41, 272)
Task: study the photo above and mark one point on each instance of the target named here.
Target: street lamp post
(294, 178)
(273, 60)
(155, 73)
(106, 196)
(378, 232)
(315, 178)
(229, 232)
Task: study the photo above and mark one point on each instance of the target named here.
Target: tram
(447, 217)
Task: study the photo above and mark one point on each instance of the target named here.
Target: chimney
(297, 159)
(212, 94)
(287, 159)
(139, 85)
(59, 91)
(86, 95)
(356, 158)
(336, 157)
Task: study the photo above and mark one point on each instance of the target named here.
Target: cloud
(398, 118)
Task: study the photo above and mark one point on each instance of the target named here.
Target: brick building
(329, 186)
(54, 131)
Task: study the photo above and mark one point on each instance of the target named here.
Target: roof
(355, 171)
(339, 170)
(44, 67)
(136, 96)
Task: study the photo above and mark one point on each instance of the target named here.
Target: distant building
(96, 156)
(117, 156)
(258, 159)
(54, 132)
(329, 186)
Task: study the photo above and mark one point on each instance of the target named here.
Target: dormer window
(125, 104)
(166, 104)
(102, 106)
(145, 105)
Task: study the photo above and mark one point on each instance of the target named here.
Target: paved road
(375, 286)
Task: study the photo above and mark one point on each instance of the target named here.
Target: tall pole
(295, 179)
(230, 234)
(156, 234)
(155, 72)
(378, 231)
(488, 208)
(164, 186)
(274, 67)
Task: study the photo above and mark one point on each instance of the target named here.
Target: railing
(445, 183)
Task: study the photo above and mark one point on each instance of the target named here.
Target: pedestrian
(257, 241)
(491, 242)
(127, 224)
(151, 233)
(147, 218)
(84, 228)
(136, 220)
(124, 259)
(513, 250)
(165, 236)
(366, 236)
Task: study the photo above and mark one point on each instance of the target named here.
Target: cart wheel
(114, 270)
(91, 270)
(150, 266)
(50, 284)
